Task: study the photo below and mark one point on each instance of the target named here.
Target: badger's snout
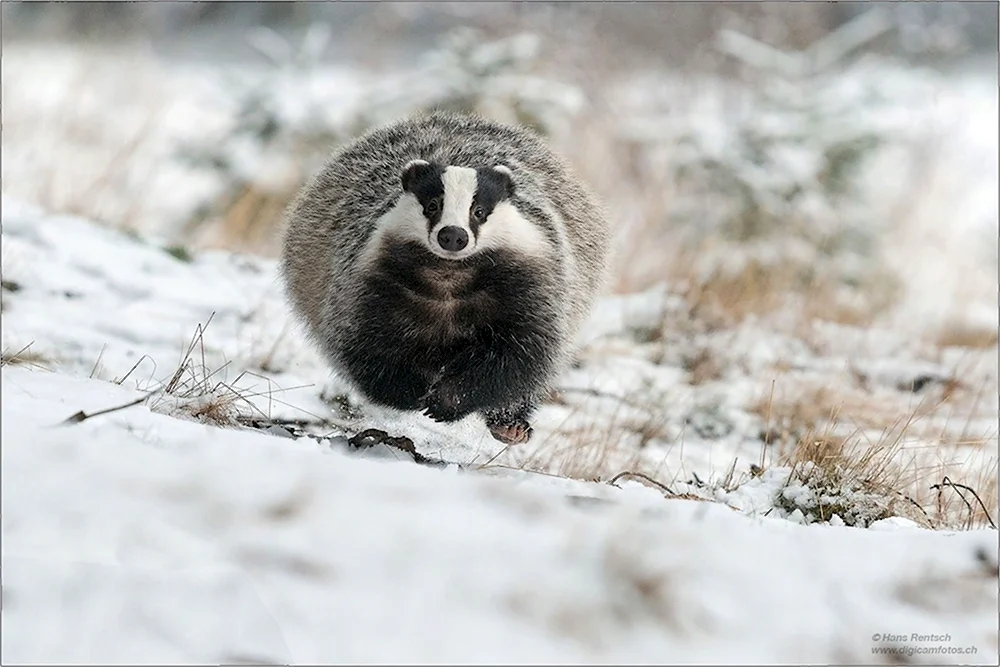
(453, 238)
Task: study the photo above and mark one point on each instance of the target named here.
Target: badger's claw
(439, 417)
(443, 403)
(444, 414)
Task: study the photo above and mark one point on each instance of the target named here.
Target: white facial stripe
(506, 228)
(404, 222)
(460, 185)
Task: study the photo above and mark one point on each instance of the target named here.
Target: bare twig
(661, 486)
(946, 483)
(496, 456)
(919, 507)
(767, 426)
(131, 370)
(98, 362)
(83, 416)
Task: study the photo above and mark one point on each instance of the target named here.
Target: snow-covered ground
(140, 538)
(146, 535)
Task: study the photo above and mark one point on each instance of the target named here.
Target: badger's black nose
(453, 238)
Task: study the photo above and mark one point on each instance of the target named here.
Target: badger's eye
(434, 205)
(478, 213)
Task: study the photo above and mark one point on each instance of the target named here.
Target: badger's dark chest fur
(441, 302)
(419, 313)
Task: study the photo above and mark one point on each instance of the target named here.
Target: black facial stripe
(425, 182)
(492, 187)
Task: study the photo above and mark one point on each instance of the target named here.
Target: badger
(444, 264)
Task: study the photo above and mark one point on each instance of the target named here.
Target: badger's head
(459, 211)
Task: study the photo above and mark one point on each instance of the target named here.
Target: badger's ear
(506, 177)
(412, 172)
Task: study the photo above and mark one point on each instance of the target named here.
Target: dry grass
(246, 219)
(591, 436)
(825, 438)
(809, 408)
(704, 366)
(24, 356)
(930, 405)
(195, 389)
(860, 482)
(759, 290)
(588, 444)
(959, 335)
(635, 195)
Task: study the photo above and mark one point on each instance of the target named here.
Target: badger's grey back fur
(332, 221)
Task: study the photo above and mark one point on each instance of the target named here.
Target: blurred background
(807, 160)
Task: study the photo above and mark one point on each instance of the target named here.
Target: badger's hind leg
(510, 425)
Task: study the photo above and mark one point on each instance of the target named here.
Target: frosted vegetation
(799, 349)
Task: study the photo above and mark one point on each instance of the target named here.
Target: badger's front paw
(510, 425)
(514, 432)
(445, 402)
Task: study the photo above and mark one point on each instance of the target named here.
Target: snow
(143, 535)
(136, 537)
